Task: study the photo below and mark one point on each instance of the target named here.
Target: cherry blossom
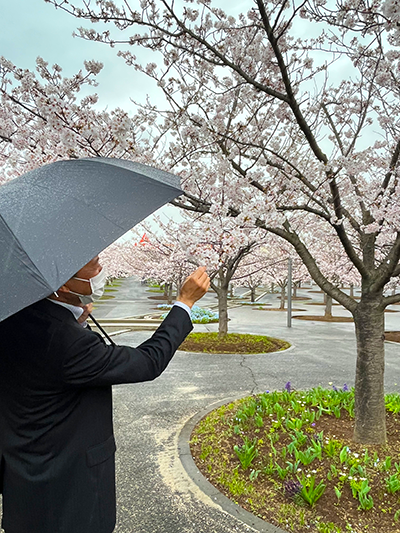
(281, 131)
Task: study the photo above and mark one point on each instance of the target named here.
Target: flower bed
(199, 315)
(288, 457)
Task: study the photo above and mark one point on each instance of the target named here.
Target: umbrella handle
(102, 330)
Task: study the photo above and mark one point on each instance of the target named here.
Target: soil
(393, 336)
(335, 303)
(277, 309)
(158, 297)
(265, 497)
(322, 303)
(232, 343)
(319, 318)
(297, 298)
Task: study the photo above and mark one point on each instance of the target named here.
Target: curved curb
(205, 486)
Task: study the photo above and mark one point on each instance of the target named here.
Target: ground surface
(154, 493)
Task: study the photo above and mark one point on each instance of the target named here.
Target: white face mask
(97, 286)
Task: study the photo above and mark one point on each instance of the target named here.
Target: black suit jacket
(56, 433)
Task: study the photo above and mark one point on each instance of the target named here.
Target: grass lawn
(288, 457)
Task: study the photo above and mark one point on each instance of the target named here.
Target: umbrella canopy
(55, 219)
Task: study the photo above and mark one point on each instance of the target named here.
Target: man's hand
(87, 309)
(195, 287)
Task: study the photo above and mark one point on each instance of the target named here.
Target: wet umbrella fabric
(55, 219)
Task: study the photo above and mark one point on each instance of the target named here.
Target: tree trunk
(223, 310)
(370, 414)
(169, 293)
(294, 294)
(272, 288)
(328, 306)
(253, 294)
(283, 295)
(351, 290)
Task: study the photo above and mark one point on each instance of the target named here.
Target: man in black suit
(57, 472)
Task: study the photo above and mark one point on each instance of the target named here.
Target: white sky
(31, 28)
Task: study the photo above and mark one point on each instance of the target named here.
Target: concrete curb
(205, 486)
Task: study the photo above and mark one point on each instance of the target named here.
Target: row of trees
(296, 136)
(234, 256)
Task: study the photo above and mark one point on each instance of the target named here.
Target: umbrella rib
(29, 260)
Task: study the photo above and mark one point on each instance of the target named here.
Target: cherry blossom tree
(219, 243)
(161, 256)
(252, 272)
(113, 259)
(276, 271)
(42, 120)
(309, 127)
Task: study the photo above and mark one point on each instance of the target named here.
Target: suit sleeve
(89, 361)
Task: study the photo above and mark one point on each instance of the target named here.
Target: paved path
(155, 494)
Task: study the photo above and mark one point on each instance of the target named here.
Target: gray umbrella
(55, 219)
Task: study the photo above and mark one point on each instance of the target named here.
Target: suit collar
(75, 310)
(56, 311)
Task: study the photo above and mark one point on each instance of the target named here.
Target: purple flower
(313, 424)
(287, 386)
(345, 387)
(292, 487)
(334, 388)
(267, 391)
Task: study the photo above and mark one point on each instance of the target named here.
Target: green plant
(305, 457)
(247, 452)
(331, 448)
(294, 423)
(258, 420)
(386, 464)
(338, 493)
(310, 492)
(361, 489)
(282, 472)
(291, 516)
(344, 454)
(254, 474)
(287, 422)
(236, 485)
(393, 483)
(392, 402)
(327, 527)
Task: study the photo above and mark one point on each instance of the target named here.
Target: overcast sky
(31, 28)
